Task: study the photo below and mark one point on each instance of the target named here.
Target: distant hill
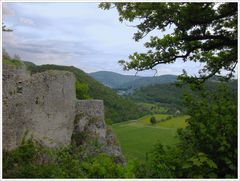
(112, 79)
(148, 81)
(117, 108)
(126, 82)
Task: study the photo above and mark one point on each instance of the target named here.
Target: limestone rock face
(12, 78)
(41, 106)
(112, 146)
(90, 116)
(89, 126)
(44, 106)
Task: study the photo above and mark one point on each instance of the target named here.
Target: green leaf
(211, 164)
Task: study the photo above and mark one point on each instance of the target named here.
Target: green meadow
(137, 137)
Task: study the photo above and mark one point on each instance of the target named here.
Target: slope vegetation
(171, 97)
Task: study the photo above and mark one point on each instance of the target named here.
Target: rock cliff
(44, 106)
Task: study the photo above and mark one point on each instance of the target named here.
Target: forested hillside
(126, 82)
(148, 81)
(171, 96)
(167, 94)
(117, 108)
(112, 79)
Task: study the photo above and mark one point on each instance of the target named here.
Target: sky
(77, 34)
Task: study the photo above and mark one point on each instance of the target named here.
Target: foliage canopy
(153, 120)
(5, 29)
(208, 145)
(202, 32)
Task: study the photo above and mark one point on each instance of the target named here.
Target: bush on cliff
(30, 160)
(82, 90)
(7, 60)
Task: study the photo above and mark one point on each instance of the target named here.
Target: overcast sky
(78, 34)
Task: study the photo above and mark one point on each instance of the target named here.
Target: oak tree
(202, 32)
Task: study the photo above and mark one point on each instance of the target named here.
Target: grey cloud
(7, 11)
(26, 21)
(27, 49)
(50, 51)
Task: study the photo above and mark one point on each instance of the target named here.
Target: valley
(138, 137)
(152, 118)
(162, 99)
(129, 114)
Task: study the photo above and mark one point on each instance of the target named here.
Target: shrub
(30, 160)
(109, 122)
(81, 90)
(153, 120)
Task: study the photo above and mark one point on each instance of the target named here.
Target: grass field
(153, 107)
(137, 137)
(176, 122)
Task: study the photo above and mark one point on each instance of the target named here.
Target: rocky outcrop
(89, 126)
(90, 120)
(41, 105)
(44, 106)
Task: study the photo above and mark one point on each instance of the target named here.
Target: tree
(207, 147)
(205, 33)
(211, 131)
(153, 120)
(4, 28)
(202, 32)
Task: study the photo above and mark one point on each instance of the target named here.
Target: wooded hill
(170, 96)
(126, 82)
